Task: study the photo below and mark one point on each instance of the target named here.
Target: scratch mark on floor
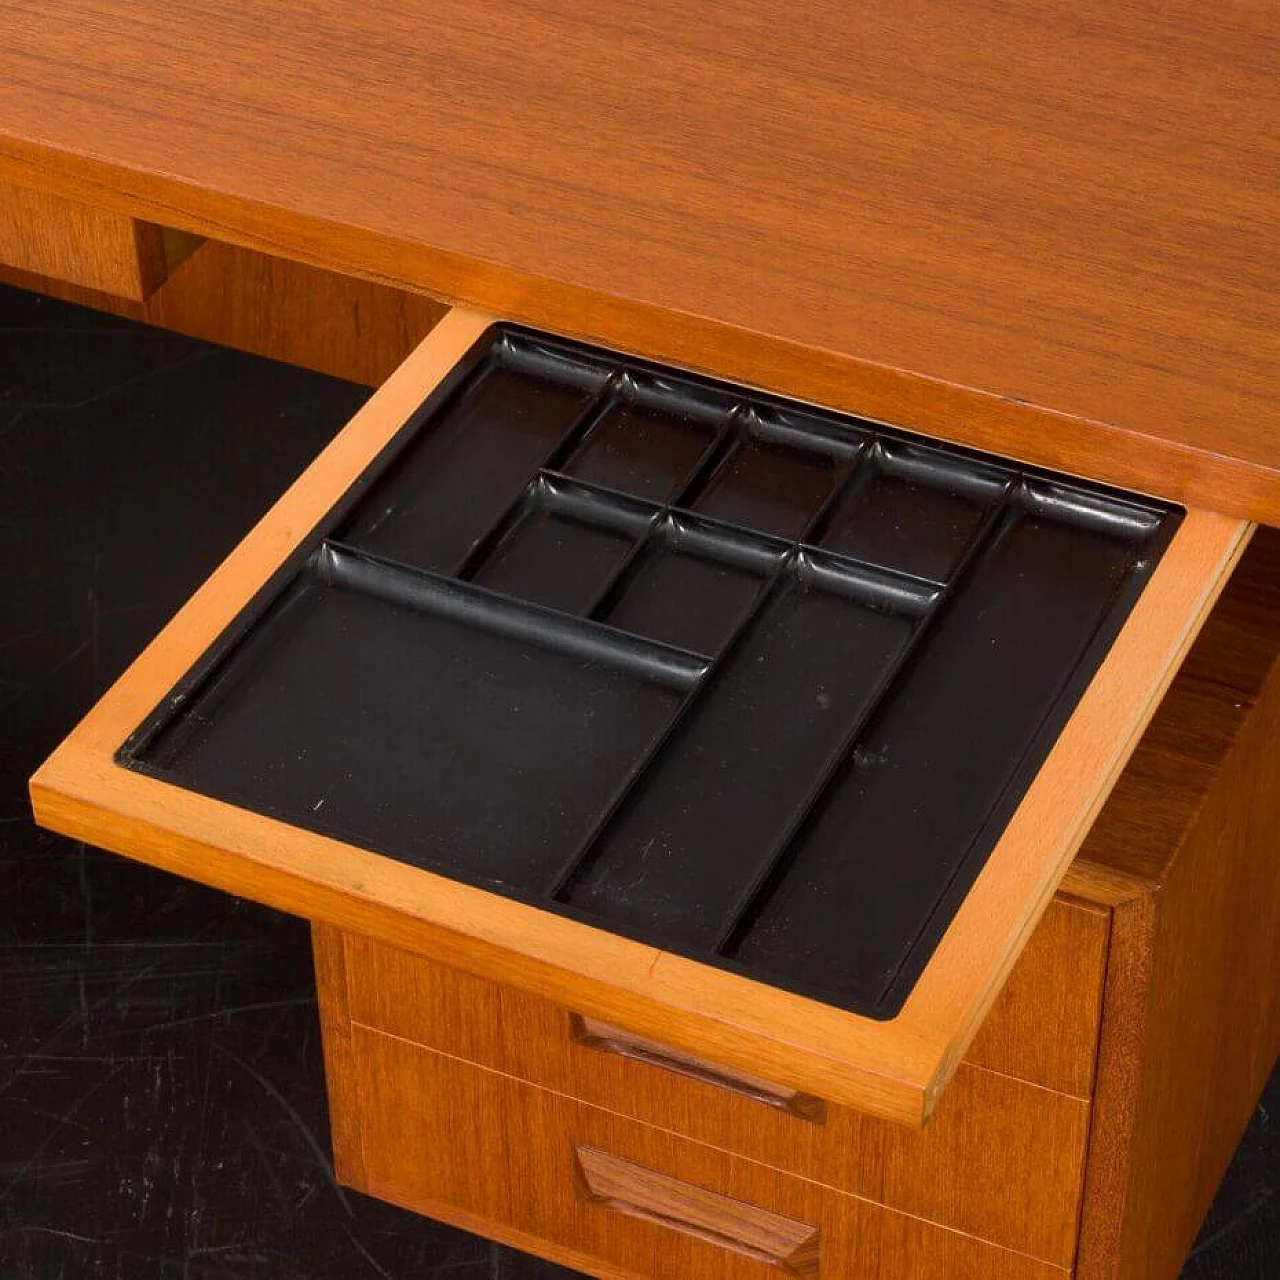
(115, 388)
(294, 1003)
(368, 1257)
(66, 1119)
(322, 1158)
(1228, 1228)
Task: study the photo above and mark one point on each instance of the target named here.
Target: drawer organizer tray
(753, 727)
(738, 679)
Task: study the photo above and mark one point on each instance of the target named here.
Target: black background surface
(162, 1107)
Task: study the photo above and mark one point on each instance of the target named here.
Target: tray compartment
(693, 585)
(651, 437)
(564, 545)
(457, 477)
(425, 719)
(914, 509)
(778, 472)
(704, 821)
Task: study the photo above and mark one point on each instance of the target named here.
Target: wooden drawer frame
(895, 1069)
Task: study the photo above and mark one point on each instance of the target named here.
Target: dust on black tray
(748, 681)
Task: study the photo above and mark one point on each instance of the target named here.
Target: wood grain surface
(340, 325)
(1131, 849)
(1045, 229)
(1191, 1024)
(1062, 968)
(87, 246)
(329, 959)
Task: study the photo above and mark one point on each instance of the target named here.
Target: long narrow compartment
(693, 585)
(563, 546)
(779, 472)
(462, 470)
(746, 680)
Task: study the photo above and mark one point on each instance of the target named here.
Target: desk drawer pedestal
(610, 1196)
(1084, 1134)
(1002, 1159)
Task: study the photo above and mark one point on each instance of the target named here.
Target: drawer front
(1001, 1159)
(80, 244)
(1045, 1022)
(1043, 1027)
(617, 1198)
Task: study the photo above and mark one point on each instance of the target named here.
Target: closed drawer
(616, 1198)
(84, 245)
(1042, 1029)
(1000, 1158)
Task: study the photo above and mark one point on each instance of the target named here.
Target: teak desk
(1047, 234)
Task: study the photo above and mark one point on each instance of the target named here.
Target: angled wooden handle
(610, 1039)
(732, 1224)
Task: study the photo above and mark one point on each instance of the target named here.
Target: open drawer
(758, 730)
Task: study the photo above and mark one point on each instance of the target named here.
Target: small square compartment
(693, 584)
(779, 473)
(914, 509)
(650, 437)
(563, 546)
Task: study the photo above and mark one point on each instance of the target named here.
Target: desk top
(1048, 230)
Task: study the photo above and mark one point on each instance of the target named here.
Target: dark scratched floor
(162, 1108)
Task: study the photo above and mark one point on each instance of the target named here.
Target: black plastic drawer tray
(753, 683)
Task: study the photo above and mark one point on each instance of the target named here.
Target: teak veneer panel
(1137, 839)
(1042, 230)
(1000, 1159)
(493, 1154)
(894, 1069)
(86, 246)
(1191, 1022)
(334, 324)
(1059, 978)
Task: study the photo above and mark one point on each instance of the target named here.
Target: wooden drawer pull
(731, 1224)
(610, 1039)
